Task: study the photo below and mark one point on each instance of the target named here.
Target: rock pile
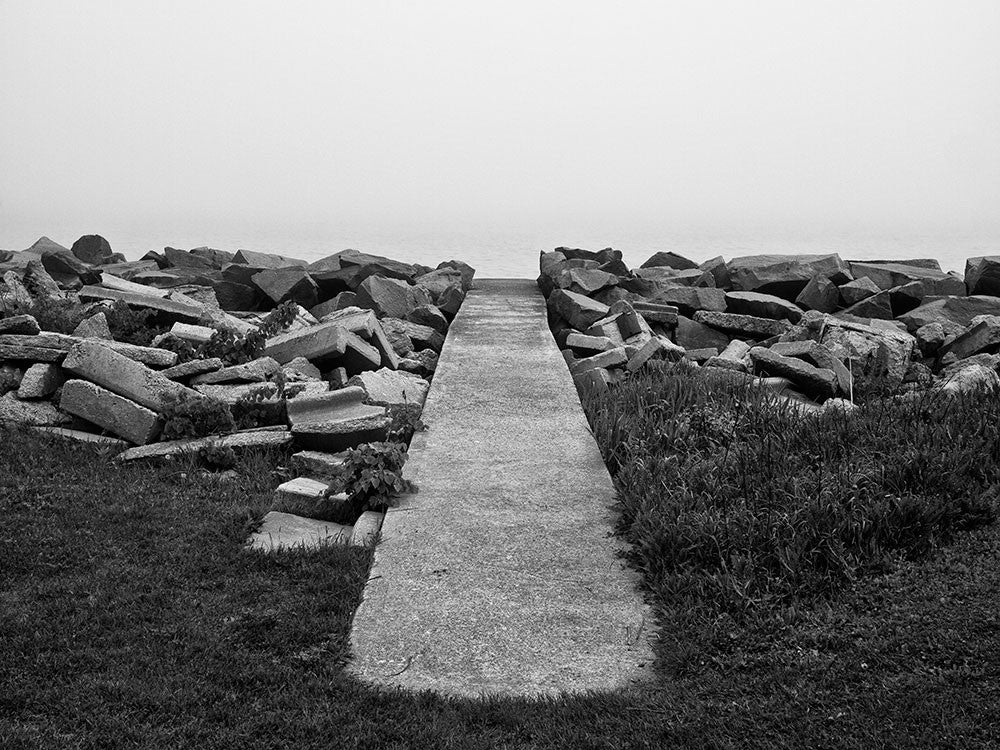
(811, 324)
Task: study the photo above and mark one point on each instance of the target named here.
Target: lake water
(512, 251)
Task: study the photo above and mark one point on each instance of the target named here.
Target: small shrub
(260, 407)
(188, 416)
(235, 349)
(217, 456)
(183, 349)
(372, 475)
(132, 326)
(404, 421)
(56, 315)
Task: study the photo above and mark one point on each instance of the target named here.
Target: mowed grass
(130, 616)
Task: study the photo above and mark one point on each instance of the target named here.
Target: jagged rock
(689, 300)
(877, 306)
(953, 313)
(292, 283)
(96, 362)
(587, 346)
(94, 327)
(579, 311)
(19, 325)
(176, 309)
(265, 260)
(39, 283)
(656, 348)
(693, 335)
(762, 306)
(736, 356)
(887, 275)
(429, 316)
(719, 271)
(450, 301)
(855, 291)
(109, 411)
(813, 381)
(744, 326)
(982, 275)
(325, 342)
(339, 301)
(423, 362)
(41, 380)
(13, 293)
(423, 337)
(39, 413)
(435, 282)
(982, 336)
(67, 269)
(585, 281)
(92, 249)
(661, 277)
(467, 271)
(218, 258)
(654, 312)
(930, 338)
(391, 298)
(365, 324)
(819, 294)
(909, 296)
(390, 388)
(877, 352)
(232, 295)
(52, 347)
(784, 276)
(183, 259)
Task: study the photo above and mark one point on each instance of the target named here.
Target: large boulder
(579, 311)
(877, 306)
(982, 275)
(819, 294)
(887, 275)
(982, 336)
(763, 306)
(694, 336)
(953, 313)
(91, 248)
(784, 276)
(817, 382)
(875, 352)
(669, 260)
(67, 269)
(743, 326)
(467, 271)
(689, 299)
(586, 281)
(291, 283)
(909, 296)
(393, 298)
(437, 281)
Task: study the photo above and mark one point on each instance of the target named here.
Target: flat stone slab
(287, 531)
(237, 440)
(500, 575)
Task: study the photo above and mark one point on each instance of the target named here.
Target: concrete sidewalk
(500, 575)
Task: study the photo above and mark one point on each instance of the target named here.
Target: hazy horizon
(348, 122)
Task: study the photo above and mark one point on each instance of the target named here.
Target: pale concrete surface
(500, 574)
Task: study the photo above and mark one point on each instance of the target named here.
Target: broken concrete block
(338, 435)
(255, 371)
(451, 300)
(656, 312)
(819, 294)
(110, 411)
(94, 361)
(594, 380)
(309, 498)
(392, 298)
(322, 343)
(107, 442)
(52, 347)
(366, 324)
(281, 531)
(762, 306)
(192, 368)
(40, 381)
(193, 334)
(290, 283)
(253, 439)
(983, 335)
(391, 387)
(41, 413)
(579, 311)
(317, 463)
(430, 316)
(655, 348)
(301, 368)
(94, 327)
(586, 346)
(183, 311)
(345, 403)
(19, 325)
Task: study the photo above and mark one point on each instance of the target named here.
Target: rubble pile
(812, 326)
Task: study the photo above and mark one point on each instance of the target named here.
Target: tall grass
(735, 502)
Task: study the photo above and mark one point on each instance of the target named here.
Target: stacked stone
(807, 323)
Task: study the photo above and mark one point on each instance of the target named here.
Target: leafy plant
(217, 456)
(404, 421)
(183, 349)
(235, 349)
(132, 326)
(187, 416)
(262, 406)
(372, 475)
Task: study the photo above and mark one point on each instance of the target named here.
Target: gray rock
(877, 306)
(437, 281)
(13, 293)
(743, 326)
(301, 368)
(784, 276)
(391, 388)
(981, 336)
(669, 260)
(813, 381)
(110, 411)
(612, 358)
(423, 337)
(283, 531)
(283, 284)
(326, 342)
(719, 271)
(692, 335)
(238, 441)
(657, 348)
(451, 300)
(877, 352)
(971, 378)
(92, 249)
(39, 283)
(819, 294)
(930, 338)
(762, 306)
(430, 316)
(579, 311)
(982, 275)
(689, 300)
(41, 380)
(255, 371)
(94, 327)
(19, 325)
(265, 260)
(887, 275)
(953, 313)
(39, 413)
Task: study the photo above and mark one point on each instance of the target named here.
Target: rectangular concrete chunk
(182, 310)
(60, 343)
(265, 438)
(110, 411)
(281, 531)
(324, 342)
(95, 362)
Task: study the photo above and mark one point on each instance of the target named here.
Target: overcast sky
(711, 112)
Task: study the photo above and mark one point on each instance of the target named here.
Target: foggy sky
(765, 111)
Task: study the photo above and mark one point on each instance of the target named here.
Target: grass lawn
(130, 616)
